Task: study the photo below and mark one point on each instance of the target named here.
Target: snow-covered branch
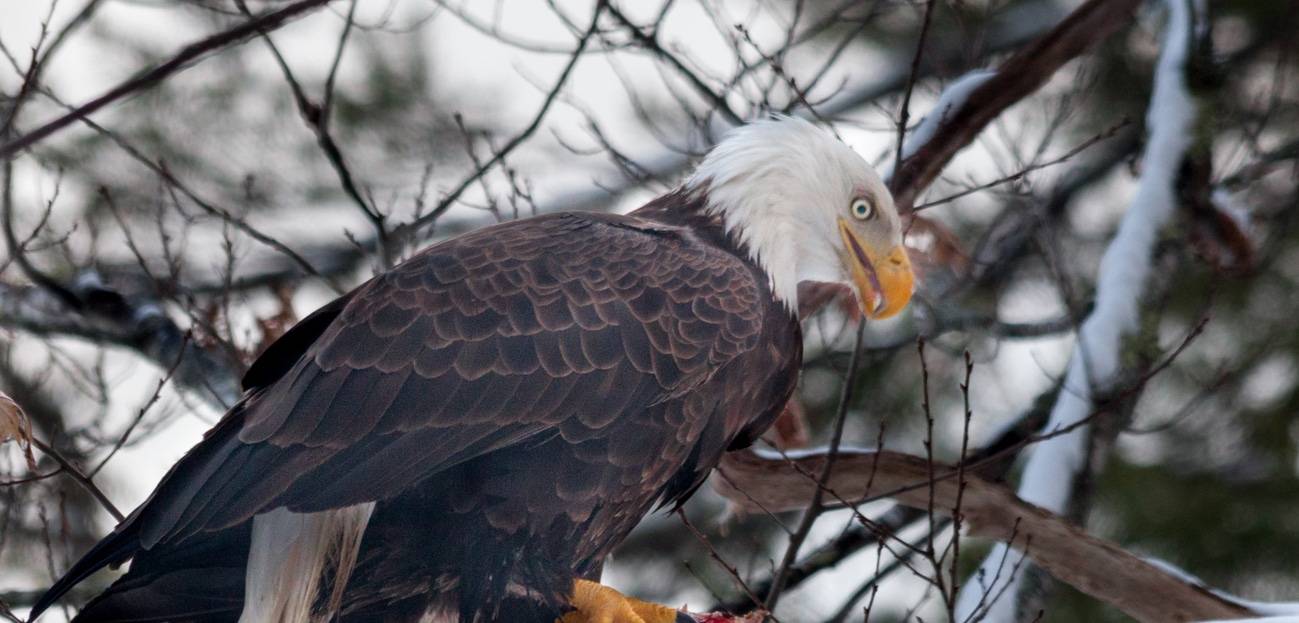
(1054, 465)
(768, 482)
(980, 98)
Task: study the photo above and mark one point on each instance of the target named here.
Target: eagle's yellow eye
(862, 209)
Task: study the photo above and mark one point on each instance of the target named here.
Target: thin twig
(409, 229)
(317, 118)
(815, 507)
(650, 42)
(712, 551)
(83, 480)
(1020, 174)
(904, 115)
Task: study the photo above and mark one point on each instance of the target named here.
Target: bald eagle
(467, 436)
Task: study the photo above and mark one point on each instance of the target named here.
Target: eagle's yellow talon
(597, 603)
(652, 612)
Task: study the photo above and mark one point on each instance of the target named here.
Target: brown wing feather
(474, 345)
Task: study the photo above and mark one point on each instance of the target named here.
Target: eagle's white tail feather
(289, 555)
(437, 614)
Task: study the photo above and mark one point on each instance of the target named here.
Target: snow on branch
(983, 97)
(106, 313)
(1054, 464)
(763, 482)
(1268, 612)
(952, 99)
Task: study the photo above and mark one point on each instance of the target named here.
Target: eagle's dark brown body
(515, 399)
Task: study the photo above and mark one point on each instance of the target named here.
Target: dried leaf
(14, 426)
(934, 247)
(275, 325)
(790, 428)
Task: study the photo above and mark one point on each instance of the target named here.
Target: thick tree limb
(1144, 591)
(1019, 76)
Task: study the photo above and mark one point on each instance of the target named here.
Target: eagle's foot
(596, 603)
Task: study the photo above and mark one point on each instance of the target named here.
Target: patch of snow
(950, 101)
(1226, 203)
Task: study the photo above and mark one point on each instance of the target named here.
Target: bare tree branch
(1016, 78)
(1101, 569)
(408, 230)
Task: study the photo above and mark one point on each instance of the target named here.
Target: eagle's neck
(784, 248)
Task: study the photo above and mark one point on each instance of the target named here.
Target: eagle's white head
(808, 208)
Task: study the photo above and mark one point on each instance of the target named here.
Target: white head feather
(780, 186)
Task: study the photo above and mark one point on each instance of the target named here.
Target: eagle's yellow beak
(884, 279)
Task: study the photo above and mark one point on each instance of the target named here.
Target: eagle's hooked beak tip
(884, 281)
